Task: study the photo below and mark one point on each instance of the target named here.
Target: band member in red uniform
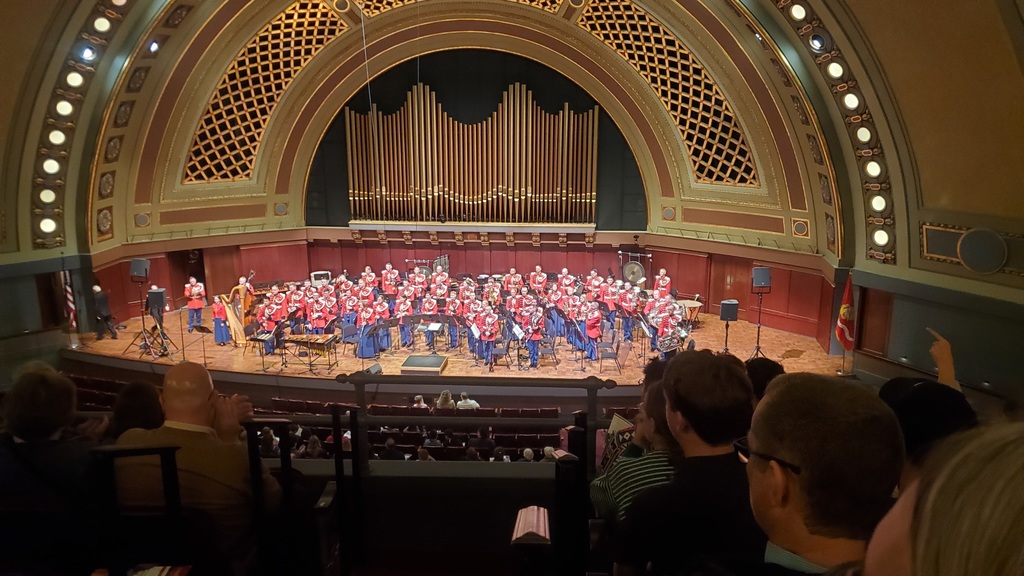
(610, 296)
(593, 330)
(380, 310)
(369, 278)
(365, 320)
(407, 292)
(419, 281)
(345, 286)
(389, 279)
(669, 324)
(514, 302)
(429, 308)
(492, 292)
(264, 315)
(594, 282)
(566, 281)
(318, 315)
(297, 305)
(512, 282)
(662, 284)
(332, 310)
(349, 309)
(403, 308)
(365, 292)
(488, 324)
(467, 288)
(221, 334)
(439, 277)
(439, 291)
(534, 327)
(538, 280)
(627, 304)
(453, 307)
(195, 292)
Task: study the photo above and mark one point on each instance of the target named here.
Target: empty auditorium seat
(315, 407)
(486, 412)
(509, 412)
(506, 440)
(530, 412)
(454, 452)
(528, 441)
(378, 410)
(549, 412)
(423, 411)
(444, 411)
(553, 440)
(470, 412)
(400, 410)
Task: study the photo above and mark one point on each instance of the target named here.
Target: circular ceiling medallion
(800, 228)
(982, 251)
(106, 185)
(123, 114)
(142, 220)
(104, 221)
(669, 213)
(113, 149)
(281, 209)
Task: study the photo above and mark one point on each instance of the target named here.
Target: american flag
(69, 299)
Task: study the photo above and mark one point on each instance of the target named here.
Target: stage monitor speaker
(762, 277)
(139, 270)
(730, 310)
(374, 370)
(156, 300)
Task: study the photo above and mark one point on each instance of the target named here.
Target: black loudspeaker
(156, 300)
(139, 270)
(374, 370)
(730, 310)
(762, 277)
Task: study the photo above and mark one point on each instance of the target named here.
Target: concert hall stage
(238, 371)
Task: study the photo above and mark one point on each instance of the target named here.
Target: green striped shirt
(612, 493)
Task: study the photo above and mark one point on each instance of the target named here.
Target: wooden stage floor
(796, 353)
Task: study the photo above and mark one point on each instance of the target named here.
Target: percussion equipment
(634, 272)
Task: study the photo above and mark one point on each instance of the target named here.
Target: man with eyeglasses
(823, 457)
(703, 515)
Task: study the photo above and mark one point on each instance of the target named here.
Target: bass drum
(633, 272)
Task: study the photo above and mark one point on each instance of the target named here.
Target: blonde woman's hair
(970, 505)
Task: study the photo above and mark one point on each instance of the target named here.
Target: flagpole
(69, 305)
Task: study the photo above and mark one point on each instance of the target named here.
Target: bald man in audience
(213, 466)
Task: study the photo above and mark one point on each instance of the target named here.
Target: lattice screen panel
(718, 150)
(227, 139)
(374, 7)
(549, 5)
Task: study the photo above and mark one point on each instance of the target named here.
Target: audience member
(313, 448)
(549, 455)
(390, 452)
(423, 455)
(432, 439)
(704, 512)
(654, 371)
(484, 440)
(527, 455)
(47, 484)
(268, 444)
(824, 456)
(466, 402)
(646, 462)
(445, 400)
(963, 516)
(346, 443)
(761, 371)
(499, 455)
(418, 402)
(137, 406)
(472, 455)
(927, 413)
(213, 466)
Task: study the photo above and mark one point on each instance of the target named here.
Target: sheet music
(434, 326)
(476, 331)
(519, 332)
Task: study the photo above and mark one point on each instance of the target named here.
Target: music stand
(760, 291)
(204, 331)
(433, 327)
(476, 335)
(278, 334)
(582, 352)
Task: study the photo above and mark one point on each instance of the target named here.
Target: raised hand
(942, 354)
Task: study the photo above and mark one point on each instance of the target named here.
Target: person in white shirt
(465, 402)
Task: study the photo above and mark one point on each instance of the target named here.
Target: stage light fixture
(88, 53)
(64, 108)
(47, 225)
(154, 46)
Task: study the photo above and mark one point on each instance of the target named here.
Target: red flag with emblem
(844, 323)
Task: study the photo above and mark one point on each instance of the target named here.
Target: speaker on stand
(729, 313)
(760, 284)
